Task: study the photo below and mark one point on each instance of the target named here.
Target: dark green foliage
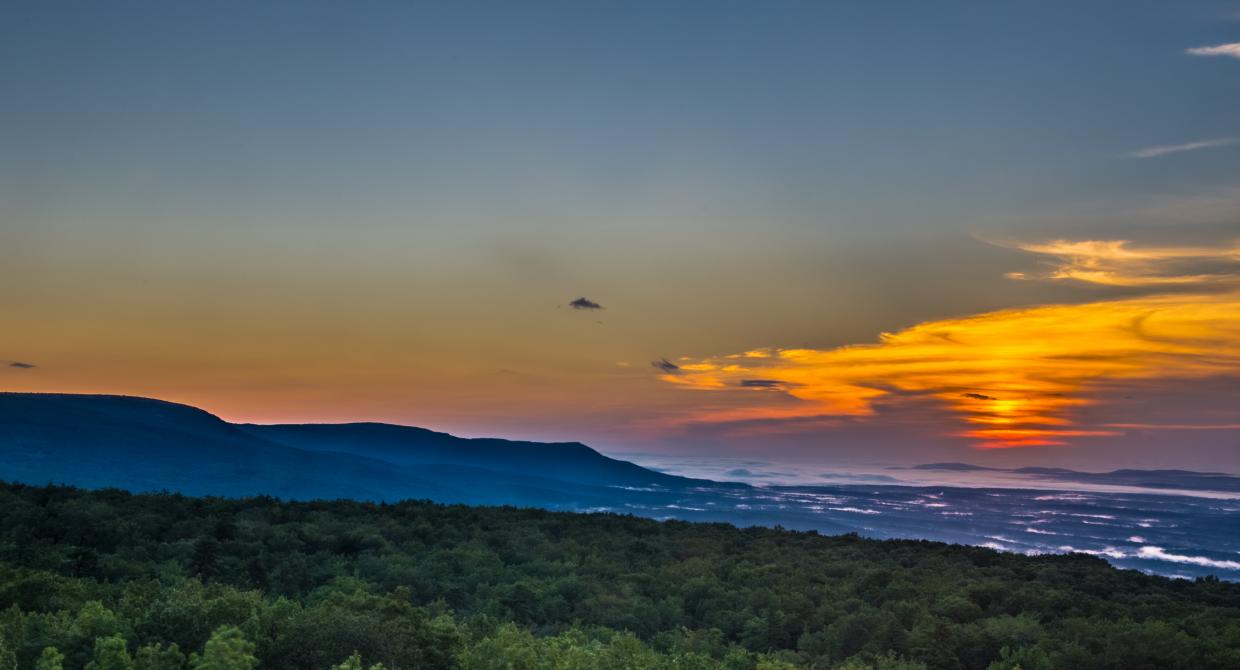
(140, 581)
(111, 653)
(8, 657)
(156, 656)
(50, 659)
(227, 649)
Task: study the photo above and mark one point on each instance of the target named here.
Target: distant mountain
(143, 445)
(405, 445)
(1158, 479)
(954, 467)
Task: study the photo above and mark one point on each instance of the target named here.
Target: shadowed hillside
(143, 445)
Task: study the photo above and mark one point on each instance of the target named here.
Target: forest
(109, 580)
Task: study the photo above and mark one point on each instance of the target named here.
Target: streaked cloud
(1120, 263)
(771, 384)
(1160, 554)
(22, 366)
(1175, 426)
(1164, 149)
(1008, 378)
(1231, 49)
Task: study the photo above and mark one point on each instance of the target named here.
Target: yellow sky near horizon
(1017, 377)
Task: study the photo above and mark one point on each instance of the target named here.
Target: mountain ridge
(146, 444)
(1162, 478)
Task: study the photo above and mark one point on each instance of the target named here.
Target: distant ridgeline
(1154, 479)
(108, 580)
(141, 444)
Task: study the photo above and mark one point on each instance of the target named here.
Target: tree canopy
(108, 580)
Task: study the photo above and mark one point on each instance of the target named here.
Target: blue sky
(901, 115)
(265, 206)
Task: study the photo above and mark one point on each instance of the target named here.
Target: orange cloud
(1012, 378)
(1118, 263)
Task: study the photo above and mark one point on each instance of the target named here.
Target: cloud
(22, 366)
(1231, 50)
(1109, 552)
(1175, 426)
(1160, 554)
(665, 366)
(1119, 263)
(584, 303)
(1044, 363)
(1164, 149)
(763, 384)
(1042, 366)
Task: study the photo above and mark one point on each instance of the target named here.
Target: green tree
(882, 662)
(206, 555)
(8, 658)
(111, 653)
(50, 659)
(510, 648)
(226, 650)
(524, 588)
(94, 621)
(354, 662)
(1025, 658)
(157, 657)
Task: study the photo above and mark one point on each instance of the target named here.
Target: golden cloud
(1012, 377)
(1119, 263)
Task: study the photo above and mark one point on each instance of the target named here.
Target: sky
(853, 232)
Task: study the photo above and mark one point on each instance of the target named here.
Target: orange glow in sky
(1012, 378)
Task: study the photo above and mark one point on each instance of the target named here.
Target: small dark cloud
(584, 303)
(764, 384)
(665, 366)
(22, 366)
(978, 396)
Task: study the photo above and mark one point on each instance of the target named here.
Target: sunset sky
(846, 232)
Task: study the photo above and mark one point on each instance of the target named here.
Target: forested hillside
(107, 580)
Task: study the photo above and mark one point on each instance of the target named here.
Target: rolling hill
(142, 444)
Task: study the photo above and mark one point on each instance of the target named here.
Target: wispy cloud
(1231, 50)
(1037, 365)
(1175, 426)
(772, 384)
(22, 366)
(1120, 263)
(1160, 554)
(1164, 149)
